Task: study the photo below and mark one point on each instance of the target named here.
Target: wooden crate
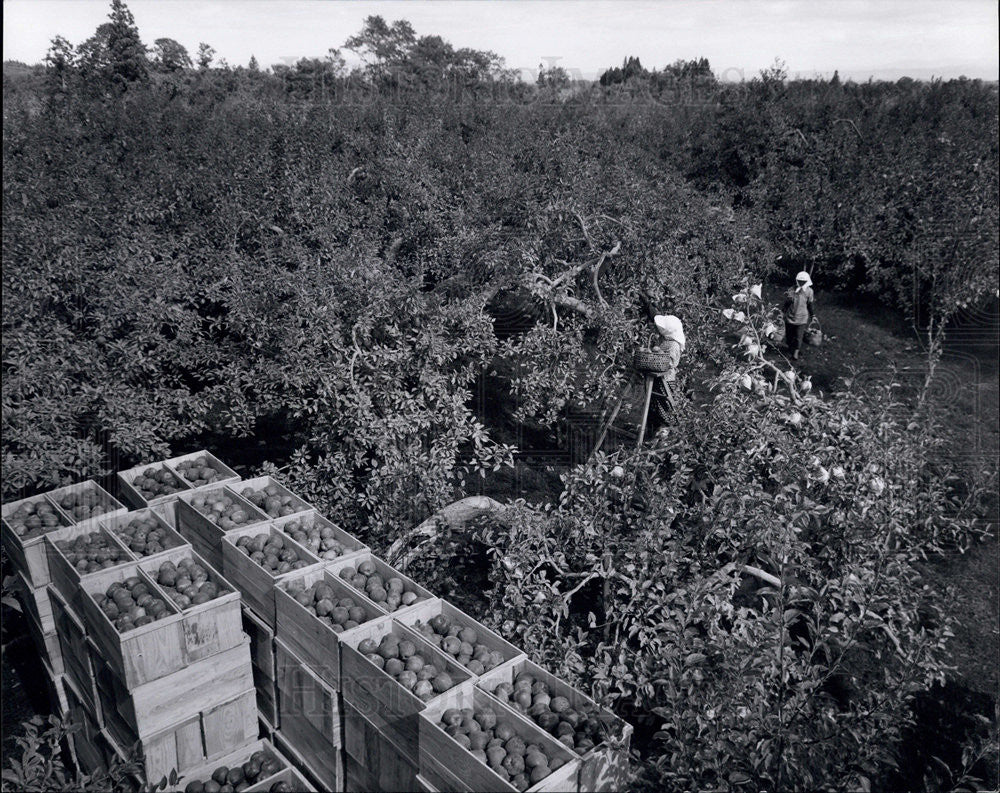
(256, 583)
(227, 474)
(353, 546)
(378, 696)
(382, 568)
(56, 689)
(423, 785)
(48, 647)
(259, 483)
(310, 715)
(108, 505)
(225, 607)
(86, 741)
(210, 735)
(291, 776)
(238, 757)
(202, 533)
(162, 647)
(175, 698)
(428, 609)
(311, 639)
(27, 553)
(603, 768)
(173, 540)
(264, 671)
(448, 766)
(375, 759)
(36, 602)
(328, 781)
(135, 499)
(74, 645)
(65, 577)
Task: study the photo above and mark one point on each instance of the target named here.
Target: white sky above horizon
(885, 39)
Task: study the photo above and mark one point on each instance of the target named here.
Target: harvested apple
(83, 505)
(260, 766)
(580, 728)
(132, 604)
(498, 745)
(412, 670)
(224, 511)
(187, 583)
(144, 536)
(461, 642)
(321, 540)
(270, 500)
(271, 553)
(154, 482)
(89, 553)
(198, 472)
(341, 613)
(33, 518)
(391, 594)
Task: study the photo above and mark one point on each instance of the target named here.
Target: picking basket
(651, 360)
(814, 334)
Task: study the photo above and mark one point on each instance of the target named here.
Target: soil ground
(862, 344)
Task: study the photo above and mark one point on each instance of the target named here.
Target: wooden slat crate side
(255, 582)
(365, 745)
(110, 506)
(424, 785)
(48, 647)
(65, 577)
(438, 777)
(308, 520)
(144, 653)
(174, 541)
(328, 776)
(290, 776)
(230, 725)
(56, 690)
(382, 568)
(36, 602)
(227, 475)
(312, 639)
(388, 778)
(309, 709)
(154, 707)
(607, 766)
(27, 553)
(437, 748)
(428, 609)
(75, 649)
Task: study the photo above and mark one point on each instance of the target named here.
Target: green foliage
(170, 56)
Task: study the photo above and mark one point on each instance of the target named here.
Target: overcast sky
(861, 38)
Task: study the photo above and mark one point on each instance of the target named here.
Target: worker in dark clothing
(798, 312)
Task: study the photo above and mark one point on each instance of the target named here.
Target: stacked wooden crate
(26, 522)
(287, 650)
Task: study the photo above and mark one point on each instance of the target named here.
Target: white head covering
(803, 276)
(670, 327)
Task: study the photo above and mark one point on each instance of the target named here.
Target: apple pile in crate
(154, 482)
(261, 765)
(33, 518)
(321, 540)
(271, 500)
(89, 553)
(269, 551)
(390, 594)
(198, 472)
(187, 583)
(130, 605)
(321, 600)
(221, 510)
(462, 643)
(499, 747)
(580, 730)
(400, 659)
(144, 536)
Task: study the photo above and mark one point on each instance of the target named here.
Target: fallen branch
(455, 515)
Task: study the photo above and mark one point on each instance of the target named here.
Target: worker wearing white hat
(798, 312)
